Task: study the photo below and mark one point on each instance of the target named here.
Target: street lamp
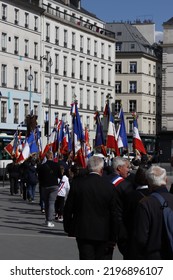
(30, 78)
(49, 65)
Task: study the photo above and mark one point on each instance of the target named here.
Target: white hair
(119, 161)
(156, 176)
(95, 164)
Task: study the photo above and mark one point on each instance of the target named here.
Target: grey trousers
(49, 196)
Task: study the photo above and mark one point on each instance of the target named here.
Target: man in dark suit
(89, 212)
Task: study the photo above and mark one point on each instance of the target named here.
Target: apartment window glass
(65, 38)
(149, 69)
(133, 67)
(88, 121)
(132, 106)
(35, 81)
(65, 65)
(118, 67)
(81, 69)
(47, 32)
(130, 126)
(88, 45)
(16, 112)
(81, 98)
(117, 106)
(88, 71)
(26, 47)
(109, 76)
(95, 48)
(118, 46)
(102, 50)
(3, 111)
(73, 40)
(35, 50)
(35, 110)
(102, 74)
(4, 41)
(109, 52)
(154, 89)
(64, 117)
(16, 77)
(118, 87)
(56, 35)
(35, 23)
(149, 107)
(16, 16)
(149, 88)
(26, 20)
(56, 93)
(95, 73)
(73, 92)
(65, 14)
(88, 98)
(56, 63)
(4, 11)
(26, 79)
(154, 70)
(73, 67)
(95, 100)
(81, 43)
(102, 101)
(57, 11)
(154, 107)
(4, 75)
(65, 95)
(26, 110)
(16, 45)
(47, 88)
(133, 86)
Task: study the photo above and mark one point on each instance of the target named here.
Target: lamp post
(49, 65)
(30, 78)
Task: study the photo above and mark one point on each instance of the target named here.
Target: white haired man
(150, 232)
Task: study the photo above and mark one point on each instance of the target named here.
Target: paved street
(23, 235)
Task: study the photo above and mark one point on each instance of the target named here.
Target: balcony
(64, 16)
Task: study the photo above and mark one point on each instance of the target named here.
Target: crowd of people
(102, 206)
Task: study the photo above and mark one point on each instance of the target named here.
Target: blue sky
(158, 11)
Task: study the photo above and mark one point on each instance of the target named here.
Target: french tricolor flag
(137, 142)
(111, 136)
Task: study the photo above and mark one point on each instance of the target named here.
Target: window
(16, 16)
(149, 107)
(118, 46)
(149, 127)
(73, 93)
(132, 106)
(57, 12)
(132, 86)
(117, 106)
(88, 71)
(154, 70)
(88, 45)
(4, 42)
(88, 99)
(102, 75)
(65, 96)
(65, 65)
(35, 23)
(95, 73)
(73, 40)
(102, 101)
(47, 88)
(16, 112)
(35, 50)
(95, 48)
(4, 11)
(88, 121)
(16, 45)
(26, 79)
(65, 15)
(130, 126)
(149, 69)
(102, 50)
(56, 93)
(81, 70)
(81, 43)
(56, 63)
(109, 77)
(64, 117)
(26, 47)
(154, 107)
(73, 67)
(65, 38)
(81, 97)
(149, 88)
(118, 87)
(119, 33)
(16, 77)
(26, 20)
(47, 32)
(132, 46)
(133, 67)
(154, 89)
(26, 110)
(35, 81)
(35, 110)
(4, 75)
(56, 35)
(95, 100)
(118, 67)
(109, 52)
(3, 111)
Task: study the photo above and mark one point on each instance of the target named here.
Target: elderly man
(150, 233)
(121, 168)
(89, 212)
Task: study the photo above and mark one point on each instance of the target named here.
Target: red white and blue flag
(121, 134)
(137, 142)
(111, 141)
